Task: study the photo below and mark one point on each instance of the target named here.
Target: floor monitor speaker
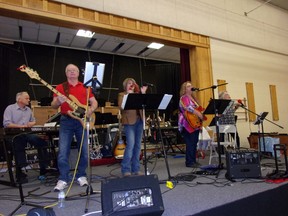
(243, 164)
(135, 195)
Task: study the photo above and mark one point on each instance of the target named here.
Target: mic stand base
(89, 191)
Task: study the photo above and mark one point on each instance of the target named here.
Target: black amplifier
(243, 164)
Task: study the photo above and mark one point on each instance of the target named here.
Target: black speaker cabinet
(243, 164)
(135, 195)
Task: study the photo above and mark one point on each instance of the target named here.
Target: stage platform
(201, 195)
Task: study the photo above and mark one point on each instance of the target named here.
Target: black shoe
(43, 171)
(22, 180)
(21, 174)
(21, 177)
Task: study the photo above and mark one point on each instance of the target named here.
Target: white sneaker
(60, 185)
(82, 181)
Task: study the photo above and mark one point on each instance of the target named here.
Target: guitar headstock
(31, 73)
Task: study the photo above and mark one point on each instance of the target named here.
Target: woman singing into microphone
(133, 128)
(190, 135)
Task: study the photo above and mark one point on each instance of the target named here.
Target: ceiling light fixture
(84, 33)
(155, 45)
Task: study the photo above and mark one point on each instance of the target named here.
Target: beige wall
(237, 65)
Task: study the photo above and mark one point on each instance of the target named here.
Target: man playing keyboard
(19, 115)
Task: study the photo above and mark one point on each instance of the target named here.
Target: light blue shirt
(17, 115)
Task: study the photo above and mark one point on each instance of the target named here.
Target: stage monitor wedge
(135, 195)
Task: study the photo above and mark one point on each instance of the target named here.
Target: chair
(229, 133)
(203, 142)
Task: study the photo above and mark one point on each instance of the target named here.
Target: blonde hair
(126, 81)
(183, 87)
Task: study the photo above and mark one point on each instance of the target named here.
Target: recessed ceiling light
(155, 45)
(84, 33)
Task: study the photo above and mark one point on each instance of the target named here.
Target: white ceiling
(31, 32)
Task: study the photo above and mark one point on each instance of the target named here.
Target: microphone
(194, 89)
(148, 84)
(240, 102)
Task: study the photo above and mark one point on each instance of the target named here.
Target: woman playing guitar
(188, 122)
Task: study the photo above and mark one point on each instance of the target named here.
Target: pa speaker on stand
(135, 195)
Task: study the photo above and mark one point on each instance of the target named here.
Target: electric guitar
(193, 120)
(78, 109)
(120, 145)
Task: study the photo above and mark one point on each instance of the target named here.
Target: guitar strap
(66, 88)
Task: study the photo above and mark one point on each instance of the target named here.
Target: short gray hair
(222, 94)
(19, 94)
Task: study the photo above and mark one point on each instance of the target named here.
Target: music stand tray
(221, 105)
(260, 118)
(147, 101)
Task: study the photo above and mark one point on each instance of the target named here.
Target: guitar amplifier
(243, 164)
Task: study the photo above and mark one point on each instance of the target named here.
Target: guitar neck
(120, 129)
(71, 103)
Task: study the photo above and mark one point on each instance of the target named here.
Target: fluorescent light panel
(84, 33)
(155, 45)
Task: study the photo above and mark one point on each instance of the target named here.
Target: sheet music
(165, 101)
(228, 107)
(50, 124)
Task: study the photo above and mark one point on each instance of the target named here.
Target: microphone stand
(93, 81)
(259, 121)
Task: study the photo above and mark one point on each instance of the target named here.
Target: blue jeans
(68, 128)
(131, 159)
(191, 140)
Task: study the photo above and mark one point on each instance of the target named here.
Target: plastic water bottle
(147, 171)
(61, 199)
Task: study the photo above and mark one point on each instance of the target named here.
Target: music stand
(143, 102)
(216, 107)
(94, 74)
(259, 121)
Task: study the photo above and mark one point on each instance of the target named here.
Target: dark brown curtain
(185, 65)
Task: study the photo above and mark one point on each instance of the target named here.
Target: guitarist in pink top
(188, 109)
